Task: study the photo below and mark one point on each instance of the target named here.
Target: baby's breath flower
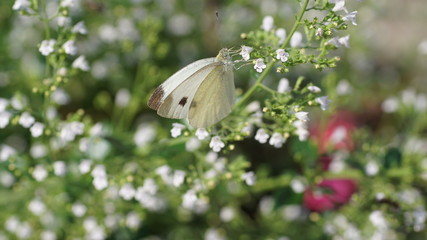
(127, 191)
(319, 32)
(343, 88)
(4, 119)
(323, 101)
(26, 120)
(267, 23)
(59, 168)
(37, 207)
(261, 136)
(39, 173)
(371, 168)
(281, 34)
(60, 96)
(144, 134)
(21, 5)
(70, 47)
(6, 152)
(301, 130)
(249, 178)
(68, 3)
(81, 63)
(259, 65)
(314, 89)
(78, 209)
(227, 214)
(63, 21)
(283, 86)
(339, 41)
(38, 150)
(133, 220)
(84, 166)
(202, 134)
(277, 140)
(339, 5)
(178, 178)
(351, 17)
(123, 97)
(47, 47)
(216, 144)
(282, 55)
(245, 52)
(80, 27)
(37, 129)
(296, 39)
(100, 183)
(302, 116)
(3, 104)
(176, 130)
(192, 144)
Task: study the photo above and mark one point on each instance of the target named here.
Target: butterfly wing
(165, 89)
(214, 98)
(177, 103)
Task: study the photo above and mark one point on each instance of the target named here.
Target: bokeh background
(378, 93)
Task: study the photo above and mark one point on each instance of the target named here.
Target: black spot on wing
(156, 99)
(183, 101)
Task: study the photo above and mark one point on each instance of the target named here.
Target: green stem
(249, 93)
(267, 89)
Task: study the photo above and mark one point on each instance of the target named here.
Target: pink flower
(329, 194)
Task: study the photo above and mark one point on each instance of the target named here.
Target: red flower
(329, 194)
(335, 134)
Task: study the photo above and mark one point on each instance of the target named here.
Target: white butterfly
(202, 92)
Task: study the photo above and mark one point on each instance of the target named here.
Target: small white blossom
(176, 130)
(6, 179)
(345, 41)
(261, 136)
(80, 27)
(249, 178)
(24, 231)
(319, 32)
(282, 55)
(63, 21)
(253, 106)
(60, 96)
(37, 207)
(192, 144)
(214, 234)
(78, 209)
(284, 86)
(339, 5)
(84, 166)
(21, 5)
(81, 63)
(39, 173)
(216, 144)
(227, 214)
(351, 17)
(343, 88)
(371, 168)
(48, 235)
(296, 39)
(3, 104)
(259, 65)
(69, 131)
(37, 129)
(267, 23)
(292, 212)
(59, 168)
(26, 120)
(123, 97)
(133, 220)
(338, 135)
(314, 89)
(281, 34)
(178, 178)
(127, 191)
(297, 185)
(100, 183)
(70, 47)
(4, 119)
(390, 105)
(301, 130)
(422, 47)
(68, 3)
(6, 152)
(323, 101)
(38, 150)
(145, 133)
(378, 220)
(302, 116)
(202, 134)
(47, 47)
(277, 140)
(245, 52)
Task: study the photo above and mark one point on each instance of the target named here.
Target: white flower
(277, 140)
(378, 220)
(267, 23)
(339, 5)
(249, 178)
(390, 105)
(319, 32)
(100, 183)
(4, 119)
(26, 120)
(302, 116)
(261, 136)
(314, 89)
(216, 144)
(39, 173)
(371, 168)
(282, 55)
(281, 34)
(81, 63)
(63, 21)
(127, 191)
(253, 106)
(301, 130)
(59, 168)
(60, 96)
(78, 209)
(214, 234)
(84, 166)
(345, 41)
(80, 27)
(343, 88)
(37, 129)
(123, 97)
(192, 144)
(165, 172)
(297, 185)
(422, 47)
(48, 235)
(47, 47)
(38, 150)
(176, 130)
(351, 17)
(3, 104)
(99, 171)
(21, 5)
(296, 39)
(6, 152)
(245, 52)
(12, 224)
(283, 86)
(202, 134)
(70, 47)
(133, 220)
(24, 231)
(178, 178)
(292, 212)
(323, 101)
(6, 179)
(69, 131)
(144, 134)
(259, 65)
(227, 214)
(68, 3)
(37, 207)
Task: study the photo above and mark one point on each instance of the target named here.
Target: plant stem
(249, 93)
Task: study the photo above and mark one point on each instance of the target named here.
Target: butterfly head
(224, 56)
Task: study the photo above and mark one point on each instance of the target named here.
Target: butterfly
(203, 92)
